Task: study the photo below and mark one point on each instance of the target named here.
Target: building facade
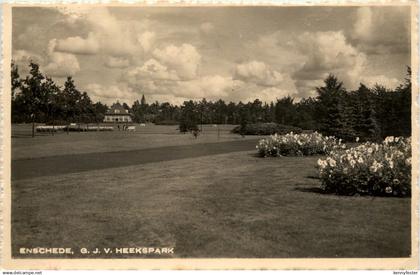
(117, 113)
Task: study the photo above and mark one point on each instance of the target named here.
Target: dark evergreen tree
(364, 118)
(285, 111)
(330, 107)
(404, 105)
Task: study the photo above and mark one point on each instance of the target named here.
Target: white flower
(389, 139)
(357, 139)
(332, 163)
(375, 166)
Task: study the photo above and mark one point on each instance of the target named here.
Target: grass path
(55, 165)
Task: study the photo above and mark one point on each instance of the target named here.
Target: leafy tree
(99, 112)
(125, 106)
(51, 101)
(71, 97)
(32, 94)
(189, 117)
(15, 78)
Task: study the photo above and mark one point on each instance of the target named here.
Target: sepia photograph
(211, 132)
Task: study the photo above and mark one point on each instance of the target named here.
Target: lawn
(150, 136)
(227, 205)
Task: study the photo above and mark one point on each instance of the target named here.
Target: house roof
(117, 109)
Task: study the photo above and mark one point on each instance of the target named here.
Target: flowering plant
(297, 145)
(370, 168)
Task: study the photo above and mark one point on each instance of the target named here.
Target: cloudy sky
(234, 53)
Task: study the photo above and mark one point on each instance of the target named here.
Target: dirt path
(55, 165)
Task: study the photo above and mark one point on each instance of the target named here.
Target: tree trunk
(33, 126)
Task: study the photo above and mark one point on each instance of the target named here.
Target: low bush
(269, 128)
(84, 128)
(167, 122)
(297, 145)
(370, 168)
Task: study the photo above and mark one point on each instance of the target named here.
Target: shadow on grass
(28, 135)
(311, 190)
(255, 155)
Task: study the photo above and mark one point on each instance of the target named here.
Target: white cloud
(382, 80)
(268, 94)
(206, 27)
(60, 64)
(185, 60)
(329, 52)
(363, 25)
(382, 30)
(111, 94)
(258, 73)
(108, 35)
(78, 45)
(151, 70)
(147, 40)
(24, 57)
(117, 62)
(210, 87)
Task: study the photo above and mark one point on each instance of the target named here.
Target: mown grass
(151, 136)
(230, 205)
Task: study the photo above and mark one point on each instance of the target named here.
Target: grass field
(226, 205)
(151, 136)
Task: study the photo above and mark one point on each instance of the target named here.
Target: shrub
(370, 168)
(297, 145)
(86, 128)
(269, 128)
(167, 122)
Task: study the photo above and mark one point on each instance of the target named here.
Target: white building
(117, 113)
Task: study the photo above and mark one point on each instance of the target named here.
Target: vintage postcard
(204, 136)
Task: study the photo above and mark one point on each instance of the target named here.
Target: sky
(172, 54)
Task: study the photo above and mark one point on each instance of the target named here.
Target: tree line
(37, 98)
(368, 113)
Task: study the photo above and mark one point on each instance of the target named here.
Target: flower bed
(370, 168)
(297, 145)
